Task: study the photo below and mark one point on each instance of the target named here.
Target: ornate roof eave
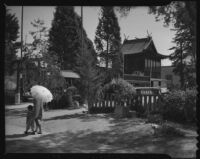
(162, 56)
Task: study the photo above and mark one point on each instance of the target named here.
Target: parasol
(41, 93)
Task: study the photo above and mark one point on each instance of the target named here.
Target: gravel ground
(72, 131)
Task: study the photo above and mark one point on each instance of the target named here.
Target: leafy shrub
(179, 105)
(63, 97)
(120, 88)
(190, 105)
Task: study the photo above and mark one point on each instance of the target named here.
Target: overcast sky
(134, 25)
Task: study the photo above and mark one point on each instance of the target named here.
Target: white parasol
(41, 93)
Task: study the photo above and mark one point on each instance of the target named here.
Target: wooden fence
(139, 103)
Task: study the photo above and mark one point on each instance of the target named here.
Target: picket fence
(139, 102)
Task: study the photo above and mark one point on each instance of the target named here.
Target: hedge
(179, 106)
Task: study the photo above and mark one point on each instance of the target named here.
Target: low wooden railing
(140, 102)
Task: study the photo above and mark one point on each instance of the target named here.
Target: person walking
(30, 119)
(38, 104)
(41, 96)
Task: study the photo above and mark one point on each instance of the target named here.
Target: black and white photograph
(101, 79)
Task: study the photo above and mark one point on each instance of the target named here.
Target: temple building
(142, 63)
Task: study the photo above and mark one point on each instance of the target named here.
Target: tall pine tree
(107, 37)
(11, 35)
(91, 79)
(65, 43)
(65, 37)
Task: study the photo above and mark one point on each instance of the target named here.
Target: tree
(11, 35)
(107, 38)
(183, 17)
(65, 37)
(38, 66)
(117, 66)
(91, 79)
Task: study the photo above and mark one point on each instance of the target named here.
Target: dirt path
(66, 132)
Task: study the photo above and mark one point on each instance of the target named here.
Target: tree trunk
(107, 56)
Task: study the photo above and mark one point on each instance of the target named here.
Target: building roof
(161, 56)
(69, 74)
(138, 46)
(135, 46)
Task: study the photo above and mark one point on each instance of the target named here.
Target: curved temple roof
(138, 46)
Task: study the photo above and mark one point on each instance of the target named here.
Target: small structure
(142, 62)
(172, 79)
(69, 76)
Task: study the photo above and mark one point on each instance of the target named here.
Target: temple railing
(135, 77)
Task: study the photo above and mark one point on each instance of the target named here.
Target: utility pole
(82, 30)
(19, 71)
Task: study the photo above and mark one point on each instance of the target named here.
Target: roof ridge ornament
(149, 35)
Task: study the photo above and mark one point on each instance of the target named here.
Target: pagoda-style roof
(136, 46)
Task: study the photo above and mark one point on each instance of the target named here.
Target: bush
(63, 97)
(121, 90)
(190, 105)
(179, 106)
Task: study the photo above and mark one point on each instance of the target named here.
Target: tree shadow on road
(115, 140)
(77, 115)
(13, 112)
(17, 135)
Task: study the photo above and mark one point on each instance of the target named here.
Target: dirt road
(72, 131)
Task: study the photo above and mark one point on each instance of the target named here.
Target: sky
(136, 24)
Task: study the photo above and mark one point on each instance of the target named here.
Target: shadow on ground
(14, 112)
(115, 140)
(124, 136)
(17, 135)
(77, 115)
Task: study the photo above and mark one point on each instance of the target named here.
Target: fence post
(112, 103)
(115, 102)
(145, 101)
(103, 108)
(154, 102)
(150, 104)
